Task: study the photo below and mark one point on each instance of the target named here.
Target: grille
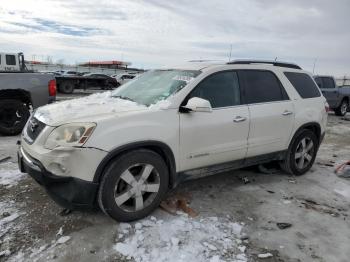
(33, 129)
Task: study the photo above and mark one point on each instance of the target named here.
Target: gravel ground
(237, 221)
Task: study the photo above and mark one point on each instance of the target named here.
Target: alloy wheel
(137, 187)
(304, 153)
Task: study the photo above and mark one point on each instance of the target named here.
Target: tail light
(326, 107)
(52, 87)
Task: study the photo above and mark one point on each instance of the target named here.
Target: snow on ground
(182, 239)
(9, 174)
(9, 214)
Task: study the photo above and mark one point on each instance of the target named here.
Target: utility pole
(229, 58)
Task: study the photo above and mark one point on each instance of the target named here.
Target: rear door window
(261, 86)
(328, 82)
(220, 89)
(303, 84)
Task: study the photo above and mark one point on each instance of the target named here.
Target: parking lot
(244, 215)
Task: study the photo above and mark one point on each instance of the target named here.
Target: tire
(13, 116)
(297, 161)
(343, 108)
(122, 190)
(66, 87)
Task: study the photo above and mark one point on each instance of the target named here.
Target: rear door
(221, 135)
(271, 112)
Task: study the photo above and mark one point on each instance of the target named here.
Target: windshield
(155, 85)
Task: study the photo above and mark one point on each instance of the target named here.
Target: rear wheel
(133, 185)
(66, 87)
(13, 116)
(343, 108)
(301, 153)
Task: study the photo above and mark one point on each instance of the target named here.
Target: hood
(89, 109)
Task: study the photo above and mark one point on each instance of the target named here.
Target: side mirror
(197, 104)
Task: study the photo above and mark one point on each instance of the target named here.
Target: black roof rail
(274, 63)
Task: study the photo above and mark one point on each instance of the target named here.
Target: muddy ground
(316, 205)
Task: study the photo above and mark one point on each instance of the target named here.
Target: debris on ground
(6, 214)
(270, 191)
(329, 163)
(265, 255)
(63, 239)
(178, 202)
(293, 181)
(245, 180)
(65, 212)
(343, 170)
(267, 169)
(5, 159)
(283, 225)
(60, 232)
(313, 205)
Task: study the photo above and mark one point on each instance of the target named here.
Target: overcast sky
(157, 32)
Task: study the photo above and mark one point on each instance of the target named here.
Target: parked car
(124, 78)
(20, 91)
(125, 149)
(338, 97)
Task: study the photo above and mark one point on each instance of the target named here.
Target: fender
(161, 148)
(313, 126)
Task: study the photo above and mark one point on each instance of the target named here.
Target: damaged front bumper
(68, 192)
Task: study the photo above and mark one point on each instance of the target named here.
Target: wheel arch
(312, 126)
(17, 94)
(159, 147)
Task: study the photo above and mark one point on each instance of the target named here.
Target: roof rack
(274, 63)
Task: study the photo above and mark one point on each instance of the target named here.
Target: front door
(219, 136)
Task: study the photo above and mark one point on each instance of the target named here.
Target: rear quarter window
(303, 84)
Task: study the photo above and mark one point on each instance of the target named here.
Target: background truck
(21, 90)
(67, 83)
(338, 97)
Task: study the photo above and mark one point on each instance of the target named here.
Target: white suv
(124, 149)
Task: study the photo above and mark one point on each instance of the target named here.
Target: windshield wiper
(125, 98)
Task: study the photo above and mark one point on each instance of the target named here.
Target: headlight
(75, 134)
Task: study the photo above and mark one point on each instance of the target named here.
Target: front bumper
(68, 192)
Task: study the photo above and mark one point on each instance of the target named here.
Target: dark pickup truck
(338, 97)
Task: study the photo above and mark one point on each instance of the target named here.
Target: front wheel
(133, 185)
(301, 153)
(342, 109)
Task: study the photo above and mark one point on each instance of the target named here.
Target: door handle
(239, 119)
(287, 113)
